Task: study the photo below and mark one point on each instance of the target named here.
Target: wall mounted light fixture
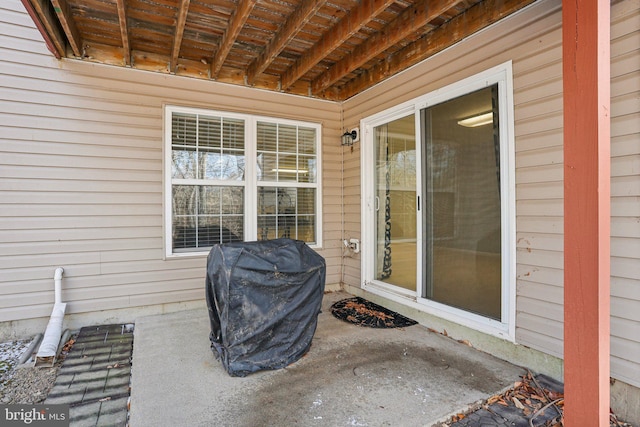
(348, 138)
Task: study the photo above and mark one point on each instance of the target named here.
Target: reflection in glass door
(395, 203)
(462, 215)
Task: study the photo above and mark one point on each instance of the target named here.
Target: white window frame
(504, 328)
(251, 183)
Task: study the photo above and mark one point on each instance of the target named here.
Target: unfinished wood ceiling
(329, 49)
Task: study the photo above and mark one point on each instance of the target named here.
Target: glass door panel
(462, 215)
(395, 196)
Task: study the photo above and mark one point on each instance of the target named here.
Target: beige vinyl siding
(532, 39)
(351, 183)
(625, 191)
(81, 154)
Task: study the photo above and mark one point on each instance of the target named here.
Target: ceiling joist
(334, 38)
(61, 7)
(42, 14)
(236, 23)
(183, 9)
(410, 21)
(124, 31)
(291, 27)
(446, 35)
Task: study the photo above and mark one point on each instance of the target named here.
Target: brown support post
(586, 84)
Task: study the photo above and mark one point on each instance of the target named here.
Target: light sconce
(479, 120)
(348, 138)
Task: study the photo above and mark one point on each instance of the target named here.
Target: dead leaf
(362, 309)
(493, 399)
(67, 346)
(516, 402)
(555, 395)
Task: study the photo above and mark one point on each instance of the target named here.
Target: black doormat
(361, 312)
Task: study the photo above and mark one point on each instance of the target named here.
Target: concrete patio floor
(351, 376)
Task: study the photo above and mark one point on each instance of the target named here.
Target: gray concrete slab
(352, 376)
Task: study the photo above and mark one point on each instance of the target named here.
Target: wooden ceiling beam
(237, 21)
(61, 7)
(177, 38)
(350, 24)
(460, 27)
(291, 27)
(124, 31)
(42, 14)
(410, 21)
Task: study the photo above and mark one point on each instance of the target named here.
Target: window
(287, 163)
(233, 177)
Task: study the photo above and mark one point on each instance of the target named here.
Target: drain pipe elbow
(49, 345)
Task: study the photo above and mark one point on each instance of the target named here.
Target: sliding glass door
(462, 205)
(438, 205)
(395, 203)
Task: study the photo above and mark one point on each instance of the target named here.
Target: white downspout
(49, 347)
(57, 285)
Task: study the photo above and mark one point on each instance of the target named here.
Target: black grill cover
(264, 299)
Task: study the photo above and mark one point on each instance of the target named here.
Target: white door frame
(504, 328)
